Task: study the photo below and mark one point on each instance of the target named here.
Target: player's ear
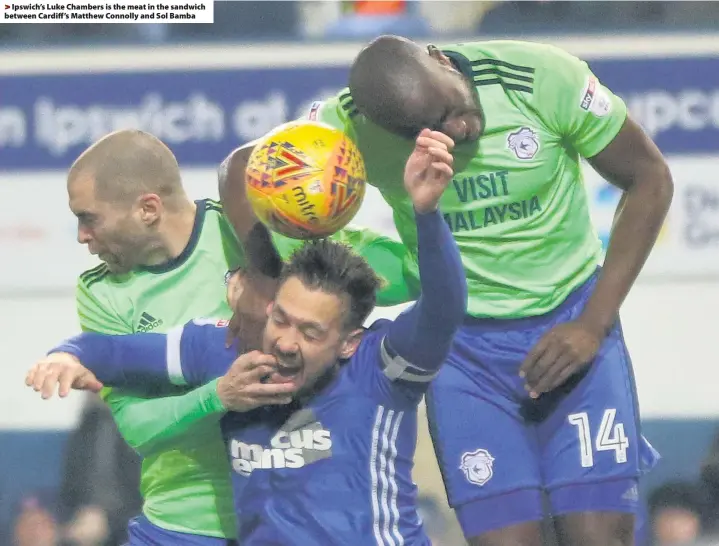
(438, 56)
(150, 208)
(351, 343)
(270, 306)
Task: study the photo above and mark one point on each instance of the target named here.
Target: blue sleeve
(418, 341)
(191, 355)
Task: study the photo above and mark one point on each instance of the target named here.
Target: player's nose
(287, 345)
(83, 236)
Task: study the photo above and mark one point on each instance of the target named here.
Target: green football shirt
(185, 474)
(517, 205)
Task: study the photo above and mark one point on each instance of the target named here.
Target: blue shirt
(337, 468)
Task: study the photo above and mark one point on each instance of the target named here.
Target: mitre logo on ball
(306, 180)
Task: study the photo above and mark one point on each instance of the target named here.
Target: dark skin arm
(633, 163)
(264, 263)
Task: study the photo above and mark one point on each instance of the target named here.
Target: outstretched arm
(185, 356)
(419, 340)
(144, 422)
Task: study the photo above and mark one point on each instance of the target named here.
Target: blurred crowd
(98, 494)
(687, 512)
(359, 19)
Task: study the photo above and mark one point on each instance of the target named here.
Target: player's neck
(174, 235)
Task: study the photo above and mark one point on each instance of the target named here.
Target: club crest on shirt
(524, 143)
(477, 466)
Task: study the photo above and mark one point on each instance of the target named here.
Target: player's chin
(113, 264)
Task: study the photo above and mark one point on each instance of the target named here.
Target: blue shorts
(499, 451)
(142, 532)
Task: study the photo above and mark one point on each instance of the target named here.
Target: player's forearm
(260, 252)
(148, 422)
(128, 360)
(639, 219)
(423, 335)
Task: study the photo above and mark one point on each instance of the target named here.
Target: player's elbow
(231, 173)
(664, 182)
(453, 308)
(654, 186)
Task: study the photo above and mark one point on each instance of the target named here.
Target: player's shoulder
(102, 299)
(379, 326)
(98, 274)
(211, 206)
(371, 339)
(100, 293)
(100, 281)
(206, 328)
(339, 111)
(520, 66)
(523, 54)
(212, 213)
(368, 371)
(213, 322)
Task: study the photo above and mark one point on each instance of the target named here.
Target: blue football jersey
(337, 470)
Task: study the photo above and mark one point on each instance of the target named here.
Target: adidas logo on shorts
(148, 323)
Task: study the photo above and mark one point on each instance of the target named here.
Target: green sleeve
(384, 254)
(387, 257)
(148, 423)
(144, 421)
(575, 104)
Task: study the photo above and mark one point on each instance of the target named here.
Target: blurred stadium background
(204, 89)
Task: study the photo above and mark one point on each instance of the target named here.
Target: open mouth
(286, 373)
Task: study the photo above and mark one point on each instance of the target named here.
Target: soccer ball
(305, 180)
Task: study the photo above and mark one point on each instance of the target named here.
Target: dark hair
(334, 268)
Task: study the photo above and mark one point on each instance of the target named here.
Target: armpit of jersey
(395, 367)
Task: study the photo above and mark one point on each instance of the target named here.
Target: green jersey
(185, 474)
(517, 204)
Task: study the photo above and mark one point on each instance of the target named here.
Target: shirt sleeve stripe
(174, 356)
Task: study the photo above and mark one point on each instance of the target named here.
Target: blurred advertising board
(204, 101)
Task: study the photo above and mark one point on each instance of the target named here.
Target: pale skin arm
(244, 387)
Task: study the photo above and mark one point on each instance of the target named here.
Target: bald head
(391, 83)
(401, 87)
(127, 164)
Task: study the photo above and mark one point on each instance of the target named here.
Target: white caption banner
(112, 11)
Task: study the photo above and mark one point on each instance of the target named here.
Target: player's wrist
(597, 326)
(65, 352)
(424, 210)
(221, 392)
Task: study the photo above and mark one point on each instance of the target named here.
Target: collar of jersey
(461, 63)
(189, 248)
